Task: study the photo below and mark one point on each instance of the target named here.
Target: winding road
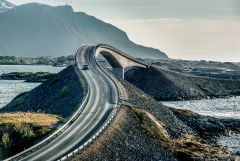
(102, 102)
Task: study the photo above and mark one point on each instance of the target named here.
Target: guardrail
(56, 133)
(113, 115)
(76, 151)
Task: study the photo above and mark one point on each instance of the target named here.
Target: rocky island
(28, 76)
(54, 61)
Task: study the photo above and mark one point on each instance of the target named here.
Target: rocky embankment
(28, 76)
(137, 134)
(144, 129)
(60, 95)
(168, 85)
(181, 122)
(125, 140)
(206, 127)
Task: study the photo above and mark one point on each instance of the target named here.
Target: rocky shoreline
(224, 70)
(209, 128)
(175, 134)
(144, 129)
(54, 61)
(182, 122)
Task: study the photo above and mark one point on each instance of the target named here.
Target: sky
(184, 29)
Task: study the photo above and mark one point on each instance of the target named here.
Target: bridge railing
(121, 53)
(39, 145)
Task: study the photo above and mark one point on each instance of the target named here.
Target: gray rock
(167, 85)
(61, 95)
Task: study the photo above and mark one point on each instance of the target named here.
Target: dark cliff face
(41, 30)
(167, 85)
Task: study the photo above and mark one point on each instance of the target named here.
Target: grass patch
(29, 118)
(19, 131)
(144, 97)
(155, 130)
(189, 147)
(184, 112)
(186, 147)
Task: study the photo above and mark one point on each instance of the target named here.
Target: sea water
(11, 88)
(219, 108)
(29, 68)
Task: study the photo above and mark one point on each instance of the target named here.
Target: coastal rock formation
(125, 140)
(61, 95)
(28, 76)
(165, 85)
(137, 135)
(208, 127)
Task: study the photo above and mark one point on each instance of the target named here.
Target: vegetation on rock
(19, 131)
(186, 147)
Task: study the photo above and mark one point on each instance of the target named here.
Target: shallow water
(29, 68)
(220, 108)
(232, 142)
(11, 88)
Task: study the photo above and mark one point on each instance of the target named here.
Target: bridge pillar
(119, 72)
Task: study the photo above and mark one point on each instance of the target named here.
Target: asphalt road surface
(99, 108)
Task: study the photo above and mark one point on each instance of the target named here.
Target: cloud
(187, 39)
(149, 9)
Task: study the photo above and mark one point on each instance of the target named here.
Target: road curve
(98, 110)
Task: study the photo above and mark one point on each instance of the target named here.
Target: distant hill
(40, 30)
(5, 6)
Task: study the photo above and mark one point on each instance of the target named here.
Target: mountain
(5, 6)
(40, 30)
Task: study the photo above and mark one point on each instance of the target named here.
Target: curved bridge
(94, 115)
(117, 59)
